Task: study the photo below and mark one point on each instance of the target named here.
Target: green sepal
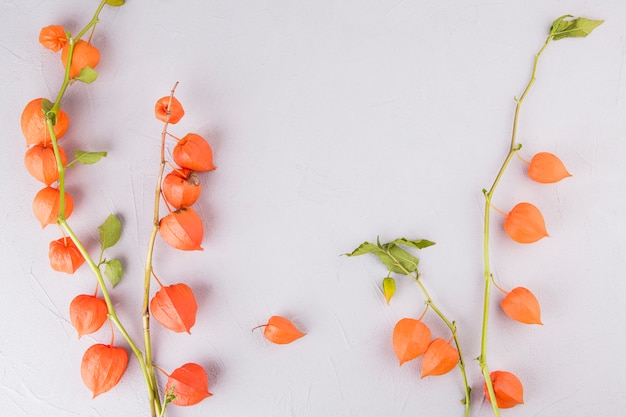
(113, 271)
(87, 158)
(577, 28)
(116, 3)
(389, 288)
(110, 231)
(87, 75)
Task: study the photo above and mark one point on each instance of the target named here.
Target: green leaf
(576, 28)
(110, 231)
(365, 247)
(85, 157)
(116, 3)
(398, 260)
(87, 75)
(113, 271)
(419, 244)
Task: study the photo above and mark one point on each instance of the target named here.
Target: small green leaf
(115, 3)
(87, 75)
(110, 231)
(85, 157)
(365, 247)
(398, 260)
(389, 288)
(113, 271)
(576, 28)
(419, 244)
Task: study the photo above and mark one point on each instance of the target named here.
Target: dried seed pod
(176, 109)
(181, 188)
(440, 358)
(193, 152)
(182, 229)
(525, 224)
(85, 55)
(175, 307)
(65, 256)
(389, 288)
(507, 388)
(411, 338)
(46, 205)
(42, 164)
(102, 367)
(547, 168)
(88, 313)
(281, 331)
(34, 127)
(53, 37)
(521, 304)
(189, 384)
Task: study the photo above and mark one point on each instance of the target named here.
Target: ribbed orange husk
(190, 384)
(53, 37)
(176, 110)
(182, 229)
(102, 367)
(281, 331)
(411, 338)
(42, 164)
(193, 152)
(521, 304)
(440, 358)
(508, 389)
(65, 256)
(88, 313)
(181, 188)
(46, 205)
(547, 168)
(525, 224)
(34, 127)
(175, 308)
(85, 55)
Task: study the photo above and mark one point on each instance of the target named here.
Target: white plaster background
(332, 122)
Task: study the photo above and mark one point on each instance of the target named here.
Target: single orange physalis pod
(53, 37)
(46, 205)
(411, 338)
(42, 164)
(189, 384)
(193, 152)
(102, 367)
(520, 304)
(176, 109)
(65, 256)
(525, 224)
(85, 55)
(182, 229)
(547, 168)
(181, 188)
(88, 313)
(281, 331)
(440, 358)
(34, 127)
(175, 307)
(508, 389)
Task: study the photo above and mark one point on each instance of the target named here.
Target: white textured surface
(332, 122)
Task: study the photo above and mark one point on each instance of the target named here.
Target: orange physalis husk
(440, 358)
(411, 338)
(42, 164)
(53, 37)
(88, 313)
(46, 205)
(181, 188)
(281, 331)
(175, 308)
(34, 127)
(193, 152)
(182, 229)
(547, 168)
(176, 109)
(520, 304)
(508, 389)
(65, 256)
(189, 383)
(85, 55)
(102, 367)
(525, 224)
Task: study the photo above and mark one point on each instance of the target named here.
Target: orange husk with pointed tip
(181, 188)
(411, 338)
(176, 109)
(189, 383)
(53, 37)
(175, 308)
(65, 256)
(521, 304)
(440, 358)
(88, 313)
(85, 55)
(193, 152)
(507, 388)
(547, 168)
(102, 367)
(41, 163)
(525, 224)
(281, 331)
(182, 229)
(46, 205)
(34, 127)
